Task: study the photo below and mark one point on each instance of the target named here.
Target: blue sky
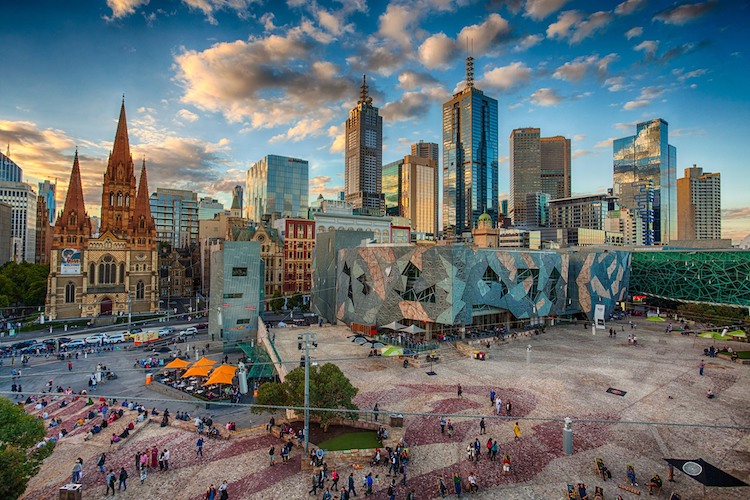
(213, 85)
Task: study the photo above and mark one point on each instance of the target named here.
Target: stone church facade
(115, 272)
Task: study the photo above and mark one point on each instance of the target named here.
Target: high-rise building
(647, 157)
(208, 208)
(238, 196)
(427, 150)
(48, 191)
(9, 171)
(277, 186)
(504, 208)
(537, 164)
(555, 166)
(537, 209)
(23, 199)
(410, 187)
(525, 170)
(6, 234)
(470, 158)
(43, 232)
(587, 211)
(175, 213)
(364, 156)
(699, 205)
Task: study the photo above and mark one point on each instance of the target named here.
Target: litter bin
(149, 378)
(397, 420)
(70, 491)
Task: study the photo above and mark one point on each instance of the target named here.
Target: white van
(115, 338)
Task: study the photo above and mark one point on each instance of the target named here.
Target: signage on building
(70, 261)
(599, 316)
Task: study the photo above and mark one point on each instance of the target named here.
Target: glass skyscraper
(175, 213)
(278, 186)
(470, 158)
(410, 187)
(48, 191)
(9, 170)
(644, 162)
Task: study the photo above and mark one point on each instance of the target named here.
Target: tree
(295, 301)
(329, 389)
(276, 303)
(19, 432)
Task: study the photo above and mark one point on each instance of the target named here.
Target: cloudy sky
(213, 85)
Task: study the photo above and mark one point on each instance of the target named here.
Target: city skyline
(211, 89)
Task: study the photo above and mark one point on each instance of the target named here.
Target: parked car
(96, 338)
(202, 326)
(115, 338)
(166, 332)
(74, 344)
(188, 331)
(136, 330)
(40, 346)
(23, 344)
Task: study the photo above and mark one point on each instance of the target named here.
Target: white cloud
(487, 35)
(506, 77)
(437, 51)
(409, 80)
(306, 127)
(579, 137)
(634, 32)
(210, 7)
(576, 69)
(629, 6)
(187, 116)
(339, 143)
(413, 104)
(582, 152)
(546, 97)
(693, 74)
(615, 84)
(565, 21)
(527, 42)
(320, 185)
(684, 13)
(396, 24)
(539, 9)
(649, 48)
(123, 8)
(639, 103)
(572, 25)
(267, 21)
(606, 143)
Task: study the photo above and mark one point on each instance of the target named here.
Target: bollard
(568, 436)
(528, 354)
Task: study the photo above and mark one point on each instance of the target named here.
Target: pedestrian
(508, 408)
(457, 484)
(403, 472)
(161, 460)
(154, 457)
(143, 474)
(211, 492)
(392, 490)
(351, 485)
(701, 367)
(70, 366)
(335, 479)
(271, 456)
(123, 479)
(517, 432)
(314, 489)
(670, 473)
(77, 471)
(460, 391)
(100, 462)
(223, 493)
(111, 482)
(482, 427)
(375, 411)
(450, 428)
(442, 424)
(442, 488)
(199, 446)
(492, 397)
(166, 459)
(498, 405)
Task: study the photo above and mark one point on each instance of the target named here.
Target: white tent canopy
(413, 329)
(394, 326)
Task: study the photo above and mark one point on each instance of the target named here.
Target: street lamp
(310, 340)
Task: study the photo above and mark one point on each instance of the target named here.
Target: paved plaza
(566, 374)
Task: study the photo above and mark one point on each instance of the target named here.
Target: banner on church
(70, 261)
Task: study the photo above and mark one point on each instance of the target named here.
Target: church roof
(121, 146)
(142, 204)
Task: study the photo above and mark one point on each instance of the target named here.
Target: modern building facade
(175, 213)
(272, 253)
(48, 191)
(470, 158)
(537, 209)
(208, 208)
(555, 166)
(9, 170)
(23, 199)
(587, 211)
(115, 272)
(364, 157)
(699, 205)
(276, 186)
(429, 150)
(648, 160)
(410, 187)
(6, 239)
(336, 215)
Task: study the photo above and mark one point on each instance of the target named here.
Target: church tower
(118, 193)
(73, 226)
(141, 228)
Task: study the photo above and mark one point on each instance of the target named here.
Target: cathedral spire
(142, 220)
(73, 219)
(121, 147)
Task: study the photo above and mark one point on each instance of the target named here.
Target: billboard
(70, 261)
(599, 316)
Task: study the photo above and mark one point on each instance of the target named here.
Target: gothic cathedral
(115, 272)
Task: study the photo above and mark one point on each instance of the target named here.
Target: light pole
(310, 340)
(130, 309)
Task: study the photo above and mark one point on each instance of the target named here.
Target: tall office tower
(48, 191)
(208, 208)
(23, 199)
(410, 187)
(699, 205)
(175, 213)
(647, 156)
(555, 166)
(525, 170)
(238, 197)
(364, 156)
(470, 158)
(427, 150)
(537, 209)
(9, 171)
(277, 186)
(504, 208)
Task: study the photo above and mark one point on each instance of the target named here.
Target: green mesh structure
(712, 277)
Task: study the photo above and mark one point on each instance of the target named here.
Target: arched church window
(127, 200)
(92, 269)
(70, 293)
(111, 199)
(122, 273)
(140, 289)
(119, 199)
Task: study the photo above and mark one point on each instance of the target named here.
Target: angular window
(365, 285)
(524, 274)
(239, 271)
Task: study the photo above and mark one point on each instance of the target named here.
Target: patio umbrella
(177, 364)
(393, 326)
(705, 473)
(392, 350)
(204, 361)
(413, 329)
(221, 375)
(197, 371)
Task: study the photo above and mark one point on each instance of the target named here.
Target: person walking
(223, 493)
(403, 472)
(77, 471)
(482, 427)
(457, 484)
(111, 482)
(701, 367)
(70, 366)
(314, 490)
(460, 391)
(100, 462)
(166, 459)
(351, 486)
(335, 479)
(143, 473)
(442, 425)
(492, 397)
(199, 447)
(123, 479)
(271, 455)
(517, 432)
(376, 411)
(161, 460)
(442, 488)
(508, 408)
(498, 405)
(211, 492)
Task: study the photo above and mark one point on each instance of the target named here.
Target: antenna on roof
(469, 65)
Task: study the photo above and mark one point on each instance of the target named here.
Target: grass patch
(655, 318)
(352, 441)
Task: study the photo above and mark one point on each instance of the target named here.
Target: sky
(211, 86)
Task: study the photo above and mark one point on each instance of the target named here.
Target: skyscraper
(410, 187)
(175, 213)
(9, 170)
(364, 156)
(699, 205)
(470, 157)
(277, 186)
(525, 170)
(48, 191)
(648, 157)
(427, 150)
(555, 166)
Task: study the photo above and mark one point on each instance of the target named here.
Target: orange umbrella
(222, 375)
(204, 361)
(197, 371)
(177, 364)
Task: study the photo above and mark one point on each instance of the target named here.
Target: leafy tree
(329, 388)
(19, 432)
(276, 303)
(23, 284)
(295, 301)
